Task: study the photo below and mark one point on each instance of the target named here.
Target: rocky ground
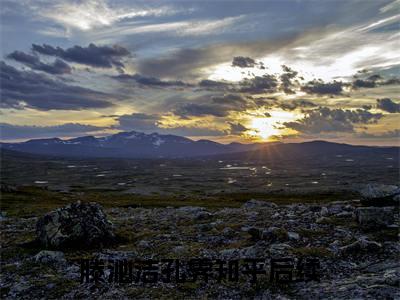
(356, 245)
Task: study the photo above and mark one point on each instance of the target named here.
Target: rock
(273, 234)
(7, 188)
(344, 214)
(380, 195)
(279, 250)
(335, 209)
(228, 232)
(259, 204)
(46, 256)
(359, 246)
(374, 217)
(255, 233)
(144, 244)
(293, 236)
(392, 277)
(76, 225)
(197, 212)
(179, 250)
(324, 211)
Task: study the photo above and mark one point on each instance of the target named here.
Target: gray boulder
(380, 194)
(374, 217)
(275, 234)
(46, 256)
(75, 225)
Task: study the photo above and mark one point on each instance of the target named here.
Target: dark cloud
(243, 62)
(287, 80)
(237, 128)
(388, 105)
(94, 56)
(292, 105)
(217, 105)
(373, 81)
(150, 123)
(215, 85)
(150, 81)
(32, 61)
(138, 121)
(325, 119)
(259, 84)
(10, 131)
(321, 88)
(34, 90)
(197, 110)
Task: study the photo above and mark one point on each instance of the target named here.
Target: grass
(312, 251)
(34, 201)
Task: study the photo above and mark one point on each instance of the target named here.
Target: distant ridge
(135, 144)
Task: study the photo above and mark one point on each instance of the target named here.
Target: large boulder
(76, 225)
(374, 217)
(55, 257)
(380, 195)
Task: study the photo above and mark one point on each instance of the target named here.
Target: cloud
(325, 119)
(153, 123)
(385, 135)
(388, 105)
(259, 84)
(287, 83)
(321, 88)
(197, 110)
(21, 89)
(243, 62)
(92, 55)
(373, 81)
(150, 81)
(12, 132)
(237, 128)
(292, 105)
(88, 15)
(193, 63)
(214, 105)
(138, 121)
(32, 61)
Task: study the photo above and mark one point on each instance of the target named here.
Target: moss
(309, 233)
(312, 251)
(384, 235)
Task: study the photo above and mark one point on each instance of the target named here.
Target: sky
(243, 71)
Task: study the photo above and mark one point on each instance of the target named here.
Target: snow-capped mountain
(127, 144)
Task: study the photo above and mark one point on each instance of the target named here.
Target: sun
(263, 128)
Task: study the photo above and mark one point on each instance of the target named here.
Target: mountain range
(141, 145)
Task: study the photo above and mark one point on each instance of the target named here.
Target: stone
(293, 236)
(46, 256)
(255, 233)
(197, 212)
(279, 250)
(374, 217)
(380, 195)
(274, 234)
(324, 211)
(344, 214)
(75, 225)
